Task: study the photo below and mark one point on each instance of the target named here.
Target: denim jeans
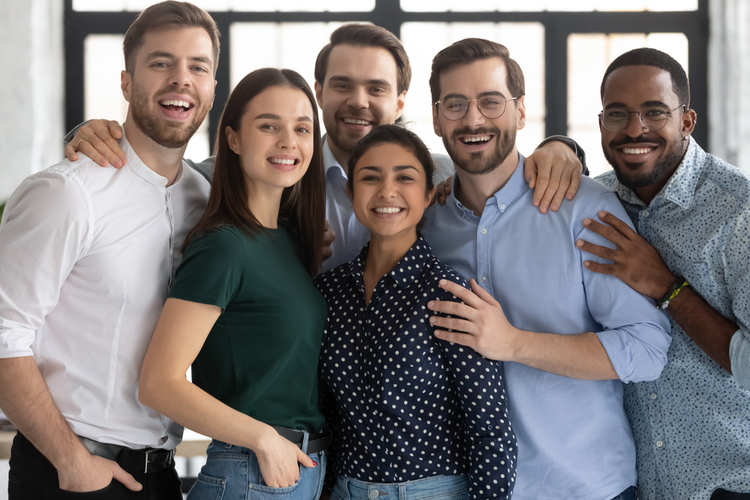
(629, 494)
(232, 473)
(434, 488)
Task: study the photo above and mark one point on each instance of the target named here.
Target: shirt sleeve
(47, 226)
(481, 390)
(736, 258)
(636, 335)
(211, 270)
(205, 168)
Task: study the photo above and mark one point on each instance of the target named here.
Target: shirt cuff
(739, 354)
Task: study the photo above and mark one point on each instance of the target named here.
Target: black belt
(317, 442)
(147, 459)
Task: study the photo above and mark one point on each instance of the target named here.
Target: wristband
(673, 291)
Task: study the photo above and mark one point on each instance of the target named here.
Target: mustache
(175, 89)
(476, 131)
(640, 138)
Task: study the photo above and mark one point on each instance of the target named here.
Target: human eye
(653, 113)
(303, 129)
(454, 104)
(377, 90)
(200, 69)
(405, 178)
(159, 64)
(268, 126)
(489, 102)
(615, 114)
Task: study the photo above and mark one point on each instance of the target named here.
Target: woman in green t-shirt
(248, 262)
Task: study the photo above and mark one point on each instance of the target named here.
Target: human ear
(125, 81)
(233, 140)
(436, 121)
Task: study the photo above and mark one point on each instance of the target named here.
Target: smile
(636, 151)
(283, 161)
(176, 105)
(355, 121)
(388, 210)
(479, 139)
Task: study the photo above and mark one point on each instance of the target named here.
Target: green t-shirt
(261, 356)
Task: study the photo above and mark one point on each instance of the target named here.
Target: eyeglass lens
(491, 106)
(615, 119)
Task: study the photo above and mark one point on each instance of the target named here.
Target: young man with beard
(86, 256)
(361, 80)
(693, 256)
(570, 338)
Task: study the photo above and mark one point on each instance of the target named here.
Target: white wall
(31, 90)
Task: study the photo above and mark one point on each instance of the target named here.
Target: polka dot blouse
(408, 405)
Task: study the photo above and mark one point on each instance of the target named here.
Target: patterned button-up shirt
(410, 406)
(692, 425)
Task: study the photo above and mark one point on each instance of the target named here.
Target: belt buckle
(145, 468)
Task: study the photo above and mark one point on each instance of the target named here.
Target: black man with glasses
(569, 338)
(692, 210)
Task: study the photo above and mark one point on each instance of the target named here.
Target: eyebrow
(346, 79)
(647, 104)
(479, 95)
(168, 55)
(397, 168)
(271, 116)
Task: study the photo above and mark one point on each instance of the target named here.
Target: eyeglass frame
(468, 101)
(640, 118)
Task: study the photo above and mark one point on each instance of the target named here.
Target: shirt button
(483, 231)
(659, 444)
(645, 213)
(502, 207)
(653, 395)
(483, 278)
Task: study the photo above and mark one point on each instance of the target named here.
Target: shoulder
(222, 240)
(727, 178)
(434, 271)
(330, 283)
(607, 179)
(196, 175)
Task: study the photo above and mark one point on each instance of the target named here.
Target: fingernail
(579, 243)
(602, 213)
(315, 464)
(432, 319)
(536, 203)
(586, 222)
(586, 263)
(431, 304)
(139, 485)
(442, 282)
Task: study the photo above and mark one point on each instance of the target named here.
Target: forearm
(711, 331)
(579, 356)
(189, 405)
(27, 402)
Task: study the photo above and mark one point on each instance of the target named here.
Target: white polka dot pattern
(410, 406)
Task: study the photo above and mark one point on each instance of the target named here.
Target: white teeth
(354, 121)
(481, 138)
(635, 151)
(282, 161)
(172, 102)
(388, 210)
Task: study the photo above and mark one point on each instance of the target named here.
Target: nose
(287, 139)
(181, 75)
(473, 116)
(358, 98)
(635, 126)
(387, 189)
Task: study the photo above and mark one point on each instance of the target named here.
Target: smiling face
(389, 193)
(645, 159)
(477, 144)
(360, 92)
(275, 141)
(172, 86)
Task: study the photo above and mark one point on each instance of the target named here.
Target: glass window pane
(588, 58)
(103, 98)
(234, 5)
(526, 44)
(548, 5)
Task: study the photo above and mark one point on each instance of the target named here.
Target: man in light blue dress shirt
(692, 425)
(570, 338)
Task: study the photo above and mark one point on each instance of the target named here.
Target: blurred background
(62, 61)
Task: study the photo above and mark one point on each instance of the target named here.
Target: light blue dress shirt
(574, 440)
(692, 425)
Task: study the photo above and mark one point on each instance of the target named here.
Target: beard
(169, 134)
(628, 173)
(339, 137)
(505, 142)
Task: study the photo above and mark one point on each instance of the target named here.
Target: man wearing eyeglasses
(692, 210)
(570, 338)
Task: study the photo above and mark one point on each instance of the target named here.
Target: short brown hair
(469, 50)
(169, 14)
(366, 35)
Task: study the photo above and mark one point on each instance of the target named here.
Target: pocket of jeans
(102, 493)
(263, 488)
(207, 488)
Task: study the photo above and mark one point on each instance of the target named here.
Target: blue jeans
(629, 494)
(434, 488)
(232, 473)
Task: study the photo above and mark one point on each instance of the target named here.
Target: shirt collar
(330, 161)
(504, 196)
(140, 168)
(403, 273)
(680, 188)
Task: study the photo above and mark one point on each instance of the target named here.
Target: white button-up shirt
(86, 258)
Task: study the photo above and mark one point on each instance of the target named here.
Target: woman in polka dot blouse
(415, 417)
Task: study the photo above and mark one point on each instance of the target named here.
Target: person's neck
(383, 255)
(473, 190)
(162, 160)
(341, 156)
(648, 193)
(264, 203)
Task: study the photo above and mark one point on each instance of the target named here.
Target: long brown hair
(302, 205)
